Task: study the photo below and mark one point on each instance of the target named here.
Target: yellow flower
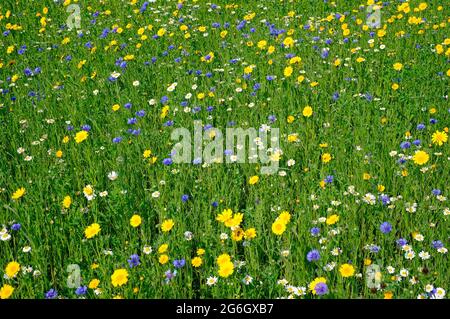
(253, 180)
(92, 230)
(398, 66)
(226, 269)
(295, 59)
(223, 259)
(161, 32)
(333, 219)
(285, 217)
(59, 154)
(439, 138)
(6, 291)
(93, 284)
(147, 153)
(293, 137)
(237, 234)
(367, 262)
(395, 86)
(278, 227)
(388, 295)
(366, 176)
(290, 119)
(18, 193)
(250, 233)
(420, 157)
(347, 270)
(163, 248)
(115, 107)
(226, 215)
(12, 269)
(163, 259)
(196, 262)
(288, 42)
(200, 251)
(167, 225)
(81, 136)
(381, 188)
(307, 111)
(135, 220)
(67, 202)
(326, 157)
(119, 277)
(261, 44)
(235, 221)
(288, 71)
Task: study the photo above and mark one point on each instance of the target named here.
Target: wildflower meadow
(227, 149)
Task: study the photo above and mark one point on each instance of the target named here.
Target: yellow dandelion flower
(92, 230)
(135, 220)
(119, 277)
(167, 225)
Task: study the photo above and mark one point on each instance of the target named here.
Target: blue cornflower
(81, 291)
(313, 255)
(179, 263)
(321, 289)
(401, 242)
(51, 294)
(117, 139)
(385, 228)
(436, 192)
(385, 199)
(140, 113)
(134, 260)
(405, 145)
(374, 248)
(315, 231)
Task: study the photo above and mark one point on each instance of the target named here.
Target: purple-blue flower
(385, 228)
(321, 288)
(313, 255)
(51, 294)
(179, 263)
(134, 260)
(81, 291)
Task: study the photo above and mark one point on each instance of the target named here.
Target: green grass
(361, 128)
